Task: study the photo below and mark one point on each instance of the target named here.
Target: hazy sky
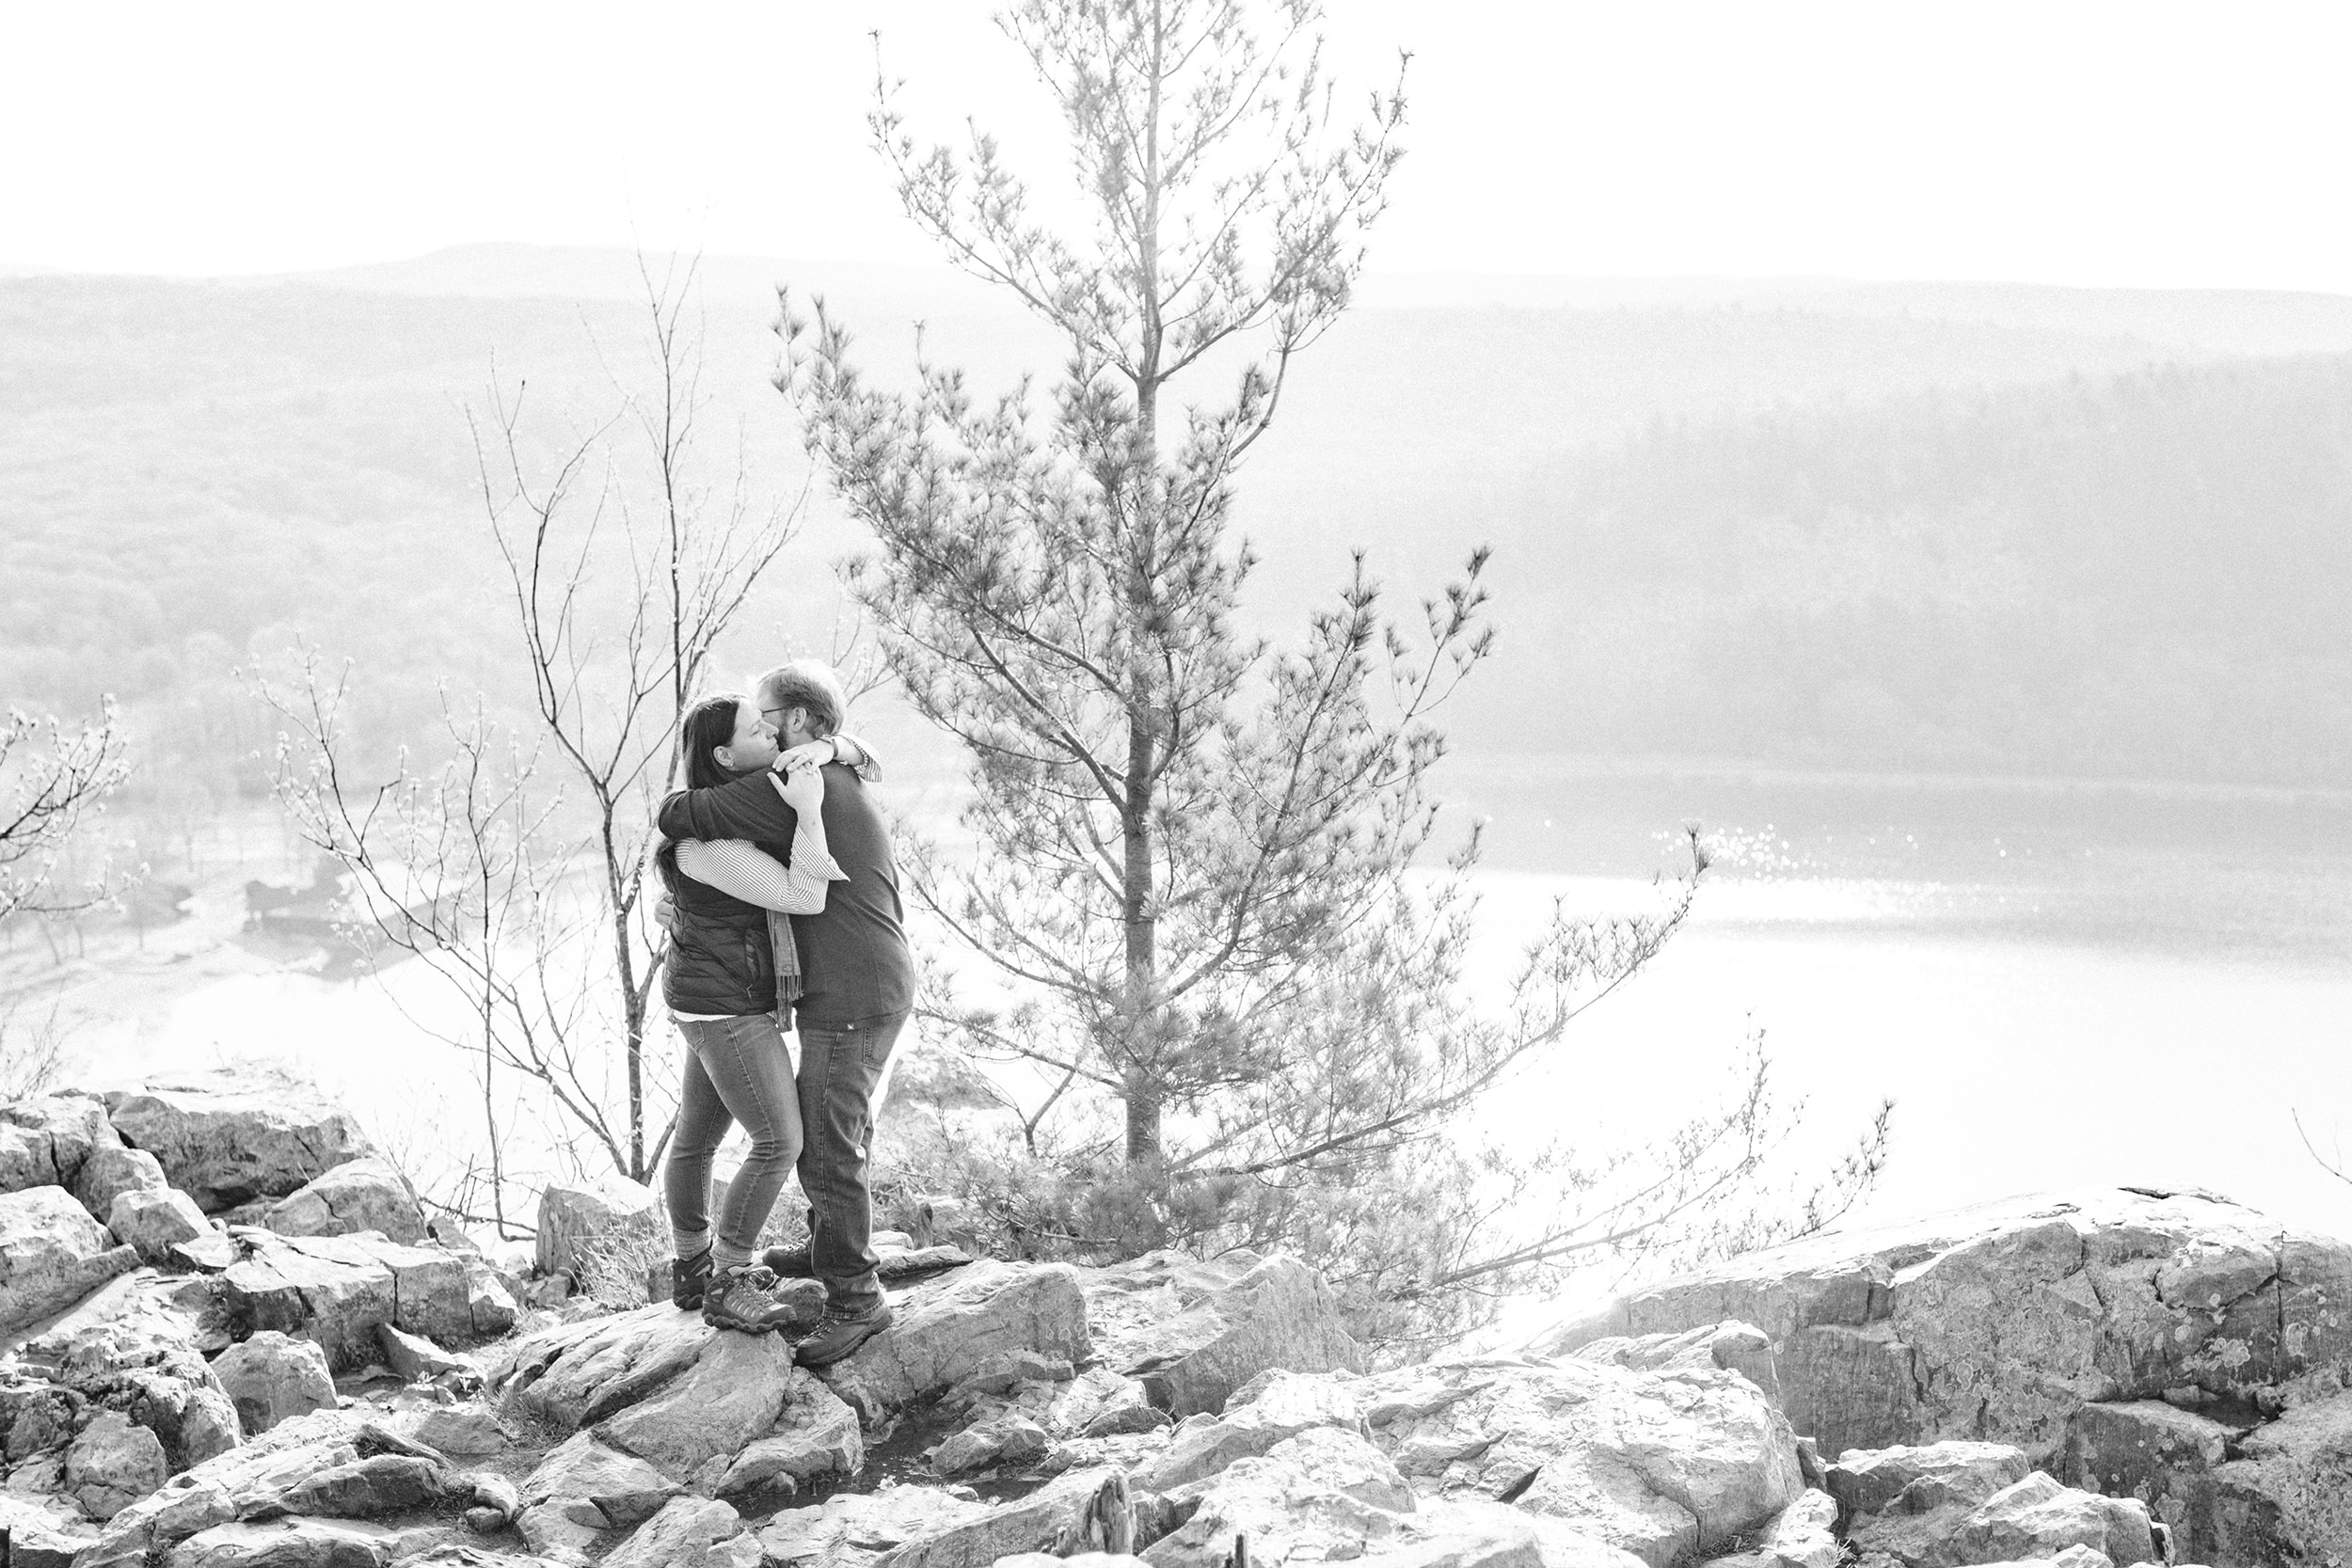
(2058, 141)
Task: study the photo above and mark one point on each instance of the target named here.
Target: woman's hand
(805, 790)
(801, 759)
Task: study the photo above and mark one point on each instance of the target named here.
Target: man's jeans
(739, 1071)
(840, 1066)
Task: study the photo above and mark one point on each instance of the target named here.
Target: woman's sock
(687, 1245)
(725, 1255)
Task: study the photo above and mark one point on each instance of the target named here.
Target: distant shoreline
(1519, 766)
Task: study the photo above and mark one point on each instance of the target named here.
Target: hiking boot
(739, 1299)
(689, 1278)
(790, 1262)
(840, 1334)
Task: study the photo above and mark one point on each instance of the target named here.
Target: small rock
(113, 1464)
(271, 1377)
(210, 1253)
(366, 1194)
(155, 1222)
(1005, 1440)
(462, 1432)
(1009, 1369)
(1805, 1536)
(412, 1356)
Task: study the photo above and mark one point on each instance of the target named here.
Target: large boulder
(112, 1465)
(153, 1223)
(366, 1194)
(1275, 1409)
(114, 1168)
(1194, 1331)
(2285, 1494)
(44, 1141)
(571, 1213)
(851, 1530)
(689, 1533)
(243, 1482)
(131, 1347)
(302, 1543)
(337, 1289)
(2001, 1321)
(581, 1492)
(947, 1328)
(43, 1533)
(2033, 1518)
(1662, 1465)
(690, 1399)
(52, 1255)
(273, 1377)
(228, 1137)
(1916, 1479)
(1078, 1511)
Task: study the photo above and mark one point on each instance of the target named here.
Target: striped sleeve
(735, 867)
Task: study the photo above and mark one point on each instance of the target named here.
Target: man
(857, 988)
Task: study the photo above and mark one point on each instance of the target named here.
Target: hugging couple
(783, 904)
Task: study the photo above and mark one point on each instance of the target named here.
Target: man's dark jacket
(854, 963)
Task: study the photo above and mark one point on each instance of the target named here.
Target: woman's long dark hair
(708, 726)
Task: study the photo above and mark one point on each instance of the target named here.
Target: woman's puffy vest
(720, 959)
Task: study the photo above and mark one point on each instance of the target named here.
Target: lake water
(2059, 985)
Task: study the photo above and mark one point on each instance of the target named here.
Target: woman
(721, 983)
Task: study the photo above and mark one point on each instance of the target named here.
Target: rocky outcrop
(1193, 1332)
(2139, 1343)
(227, 1139)
(365, 1194)
(52, 1255)
(2001, 1321)
(131, 1347)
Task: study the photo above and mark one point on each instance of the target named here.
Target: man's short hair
(809, 684)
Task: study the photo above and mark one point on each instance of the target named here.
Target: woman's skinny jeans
(738, 1072)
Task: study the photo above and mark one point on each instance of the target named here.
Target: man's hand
(665, 915)
(805, 790)
(802, 759)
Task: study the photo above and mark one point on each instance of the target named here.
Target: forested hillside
(1827, 537)
(2139, 576)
